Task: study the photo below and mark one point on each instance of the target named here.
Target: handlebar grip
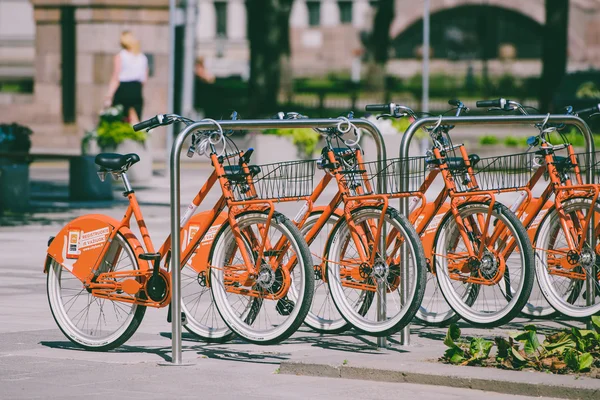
(149, 123)
(245, 159)
(378, 107)
(596, 108)
(489, 103)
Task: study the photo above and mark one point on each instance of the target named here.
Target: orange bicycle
(558, 219)
(100, 278)
(477, 249)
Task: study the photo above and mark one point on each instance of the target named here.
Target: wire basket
(365, 178)
(585, 162)
(495, 173)
(291, 179)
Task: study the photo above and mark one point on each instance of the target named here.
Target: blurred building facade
(502, 36)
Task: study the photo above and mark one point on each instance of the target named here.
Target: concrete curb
(500, 381)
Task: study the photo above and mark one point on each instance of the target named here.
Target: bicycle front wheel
(563, 273)
(397, 273)
(270, 306)
(492, 286)
(323, 316)
(91, 322)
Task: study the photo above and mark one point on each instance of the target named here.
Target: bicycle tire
(571, 302)
(473, 305)
(245, 323)
(360, 313)
(95, 306)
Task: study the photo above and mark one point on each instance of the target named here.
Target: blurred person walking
(130, 72)
(203, 85)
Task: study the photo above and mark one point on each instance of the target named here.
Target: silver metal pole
(176, 278)
(500, 120)
(171, 79)
(175, 178)
(426, 47)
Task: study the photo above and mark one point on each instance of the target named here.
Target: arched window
(473, 32)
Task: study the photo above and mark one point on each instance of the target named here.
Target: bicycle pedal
(150, 256)
(285, 307)
(170, 319)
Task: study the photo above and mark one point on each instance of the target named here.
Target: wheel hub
(265, 278)
(488, 266)
(588, 257)
(380, 269)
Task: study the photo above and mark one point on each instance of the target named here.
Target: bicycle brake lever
(192, 148)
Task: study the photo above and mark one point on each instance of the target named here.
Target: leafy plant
(488, 140)
(575, 350)
(112, 130)
(464, 353)
(511, 141)
(305, 139)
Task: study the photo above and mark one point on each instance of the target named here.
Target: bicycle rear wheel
(260, 309)
(323, 316)
(473, 286)
(561, 273)
(401, 267)
(91, 322)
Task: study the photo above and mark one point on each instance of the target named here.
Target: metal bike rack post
(498, 120)
(175, 183)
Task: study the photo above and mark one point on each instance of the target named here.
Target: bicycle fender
(428, 235)
(199, 259)
(81, 242)
(338, 211)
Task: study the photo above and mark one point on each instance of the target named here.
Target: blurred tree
(378, 43)
(269, 36)
(554, 52)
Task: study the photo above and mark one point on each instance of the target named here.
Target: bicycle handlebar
(499, 103)
(596, 108)
(151, 123)
(379, 108)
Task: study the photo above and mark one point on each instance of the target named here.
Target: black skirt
(129, 95)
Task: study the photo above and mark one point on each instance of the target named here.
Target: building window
(314, 13)
(221, 10)
(345, 12)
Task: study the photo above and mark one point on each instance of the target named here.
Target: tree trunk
(379, 44)
(268, 33)
(554, 52)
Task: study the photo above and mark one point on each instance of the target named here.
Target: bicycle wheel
(91, 322)
(202, 317)
(260, 309)
(537, 306)
(353, 284)
(476, 288)
(434, 309)
(562, 274)
(323, 316)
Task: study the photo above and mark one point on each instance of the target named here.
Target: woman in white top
(129, 74)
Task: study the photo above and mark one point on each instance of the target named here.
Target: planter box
(14, 187)
(271, 149)
(84, 183)
(141, 172)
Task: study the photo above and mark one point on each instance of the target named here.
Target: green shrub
(112, 130)
(570, 350)
(488, 140)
